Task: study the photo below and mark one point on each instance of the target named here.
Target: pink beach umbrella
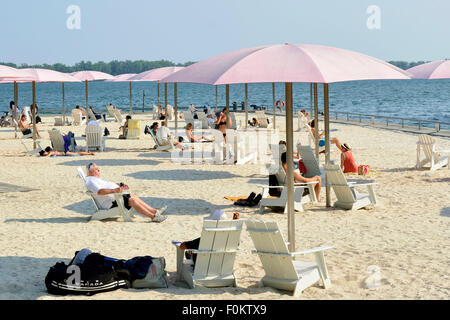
(157, 75)
(289, 63)
(91, 76)
(9, 73)
(44, 75)
(439, 69)
(123, 78)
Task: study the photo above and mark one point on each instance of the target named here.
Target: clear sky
(35, 32)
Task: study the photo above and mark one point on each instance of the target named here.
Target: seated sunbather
(192, 138)
(49, 152)
(254, 122)
(298, 178)
(26, 128)
(103, 193)
(164, 136)
(193, 245)
(348, 164)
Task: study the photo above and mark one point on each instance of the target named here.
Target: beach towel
(234, 199)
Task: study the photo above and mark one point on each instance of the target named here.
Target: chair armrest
(355, 184)
(304, 183)
(318, 249)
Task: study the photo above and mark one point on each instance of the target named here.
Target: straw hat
(346, 146)
(217, 215)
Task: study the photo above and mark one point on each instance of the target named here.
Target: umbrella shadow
(189, 207)
(110, 162)
(182, 175)
(22, 277)
(445, 212)
(259, 181)
(158, 155)
(50, 220)
(398, 170)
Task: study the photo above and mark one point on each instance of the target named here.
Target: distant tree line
(116, 67)
(406, 65)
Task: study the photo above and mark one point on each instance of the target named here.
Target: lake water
(417, 99)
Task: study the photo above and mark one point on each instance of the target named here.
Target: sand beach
(45, 218)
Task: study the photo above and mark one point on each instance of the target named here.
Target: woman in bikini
(221, 123)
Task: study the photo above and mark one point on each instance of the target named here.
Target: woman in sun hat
(348, 163)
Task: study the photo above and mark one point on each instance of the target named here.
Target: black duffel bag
(95, 275)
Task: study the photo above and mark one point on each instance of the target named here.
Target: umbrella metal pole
(157, 88)
(316, 122)
(87, 99)
(311, 98)
(175, 104)
(16, 101)
(290, 167)
(246, 105)
(131, 99)
(33, 114)
(273, 101)
(63, 105)
(165, 96)
(327, 138)
(227, 96)
(217, 100)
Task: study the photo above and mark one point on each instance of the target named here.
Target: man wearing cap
(103, 194)
(194, 244)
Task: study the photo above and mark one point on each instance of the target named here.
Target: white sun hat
(217, 215)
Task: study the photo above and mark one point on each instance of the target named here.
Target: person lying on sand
(103, 194)
(49, 152)
(193, 245)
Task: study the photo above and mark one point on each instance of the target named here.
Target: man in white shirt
(163, 136)
(103, 193)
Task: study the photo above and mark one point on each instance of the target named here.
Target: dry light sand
(406, 236)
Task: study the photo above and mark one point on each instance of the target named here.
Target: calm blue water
(417, 99)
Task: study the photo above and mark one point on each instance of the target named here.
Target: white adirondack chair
(277, 169)
(30, 152)
(155, 113)
(347, 197)
(101, 214)
(27, 112)
(169, 147)
(234, 124)
(77, 118)
(311, 163)
(188, 118)
(57, 140)
(302, 122)
(111, 111)
(262, 119)
(134, 129)
(281, 270)
(94, 138)
(219, 244)
(119, 118)
(202, 117)
(432, 155)
(170, 113)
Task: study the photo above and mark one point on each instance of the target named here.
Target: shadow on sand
(110, 162)
(445, 212)
(182, 175)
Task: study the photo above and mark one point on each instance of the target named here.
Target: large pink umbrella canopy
(122, 77)
(289, 63)
(91, 76)
(439, 69)
(12, 73)
(156, 74)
